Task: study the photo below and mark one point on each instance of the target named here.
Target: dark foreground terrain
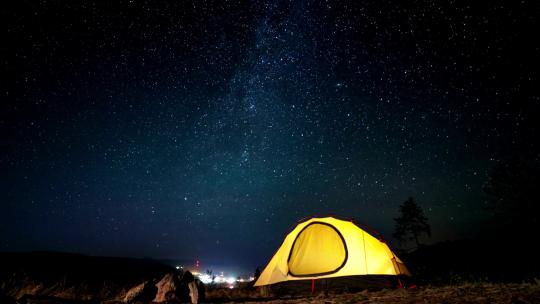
(459, 272)
(464, 293)
(525, 293)
(73, 278)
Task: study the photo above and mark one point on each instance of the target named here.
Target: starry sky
(206, 129)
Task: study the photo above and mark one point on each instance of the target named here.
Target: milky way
(205, 130)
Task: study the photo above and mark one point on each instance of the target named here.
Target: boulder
(142, 293)
(170, 289)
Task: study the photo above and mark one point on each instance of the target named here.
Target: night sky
(205, 130)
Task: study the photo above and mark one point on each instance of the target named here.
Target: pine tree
(412, 223)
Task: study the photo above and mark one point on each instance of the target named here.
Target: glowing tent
(326, 248)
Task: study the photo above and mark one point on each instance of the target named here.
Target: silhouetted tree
(412, 223)
(211, 275)
(512, 191)
(256, 276)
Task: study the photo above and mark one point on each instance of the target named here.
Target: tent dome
(328, 247)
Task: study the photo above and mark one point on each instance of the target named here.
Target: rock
(169, 289)
(133, 292)
(142, 293)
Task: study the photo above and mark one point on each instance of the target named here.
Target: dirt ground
(465, 293)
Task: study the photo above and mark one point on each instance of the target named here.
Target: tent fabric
(326, 248)
(316, 242)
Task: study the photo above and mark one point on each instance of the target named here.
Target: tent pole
(312, 285)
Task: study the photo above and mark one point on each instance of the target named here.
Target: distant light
(251, 278)
(206, 279)
(231, 287)
(231, 280)
(177, 267)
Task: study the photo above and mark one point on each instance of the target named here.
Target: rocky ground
(464, 293)
(525, 293)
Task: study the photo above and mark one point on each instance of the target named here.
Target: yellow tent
(327, 247)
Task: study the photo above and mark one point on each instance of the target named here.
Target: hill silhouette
(503, 260)
(74, 276)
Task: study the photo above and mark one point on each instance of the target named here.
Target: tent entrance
(319, 249)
